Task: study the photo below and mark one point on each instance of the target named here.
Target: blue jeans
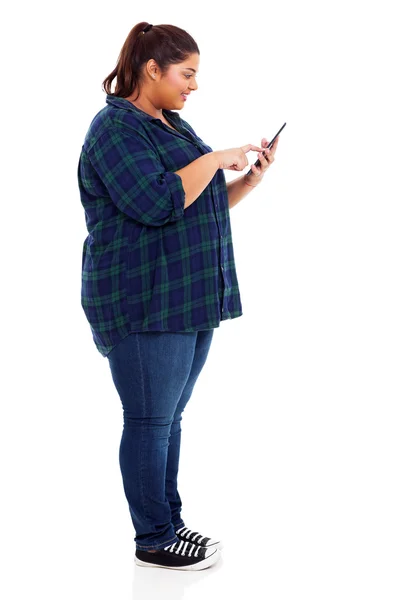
(155, 373)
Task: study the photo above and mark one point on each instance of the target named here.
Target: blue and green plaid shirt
(148, 264)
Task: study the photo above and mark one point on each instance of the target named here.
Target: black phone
(258, 163)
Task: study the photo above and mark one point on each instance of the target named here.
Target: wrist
(247, 182)
(216, 155)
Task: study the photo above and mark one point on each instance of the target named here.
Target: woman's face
(165, 91)
(179, 79)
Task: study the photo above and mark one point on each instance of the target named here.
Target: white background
(290, 442)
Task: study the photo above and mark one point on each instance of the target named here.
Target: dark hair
(166, 44)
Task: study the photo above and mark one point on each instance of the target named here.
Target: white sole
(204, 564)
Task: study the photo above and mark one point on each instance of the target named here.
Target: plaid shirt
(148, 264)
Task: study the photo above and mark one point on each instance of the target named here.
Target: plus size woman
(158, 270)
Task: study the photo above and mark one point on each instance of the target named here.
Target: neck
(146, 106)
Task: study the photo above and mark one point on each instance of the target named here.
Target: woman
(158, 270)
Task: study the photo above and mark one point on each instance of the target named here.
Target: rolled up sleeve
(135, 178)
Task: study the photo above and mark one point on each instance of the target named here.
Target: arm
(197, 175)
(237, 190)
(138, 183)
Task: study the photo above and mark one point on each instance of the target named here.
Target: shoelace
(190, 535)
(184, 548)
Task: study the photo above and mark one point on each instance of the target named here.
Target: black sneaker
(186, 534)
(183, 556)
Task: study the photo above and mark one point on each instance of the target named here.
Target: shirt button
(222, 268)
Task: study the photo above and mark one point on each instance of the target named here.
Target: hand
(266, 158)
(235, 159)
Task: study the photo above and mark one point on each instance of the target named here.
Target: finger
(263, 158)
(275, 144)
(248, 147)
(268, 151)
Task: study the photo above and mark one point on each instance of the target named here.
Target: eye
(188, 76)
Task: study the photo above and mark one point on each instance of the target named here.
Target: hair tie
(147, 28)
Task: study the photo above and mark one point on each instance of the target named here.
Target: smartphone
(258, 163)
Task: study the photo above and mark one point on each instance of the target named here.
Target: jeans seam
(181, 524)
(175, 538)
(142, 466)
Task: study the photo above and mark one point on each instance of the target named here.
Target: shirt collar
(126, 105)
